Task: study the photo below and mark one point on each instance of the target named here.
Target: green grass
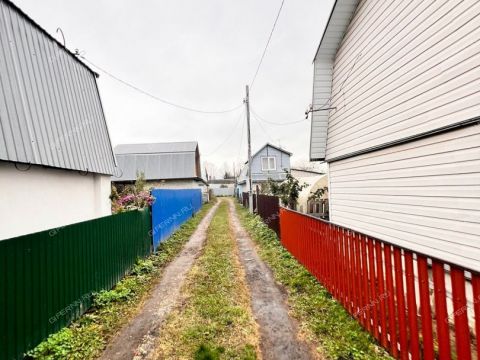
(322, 319)
(87, 337)
(215, 320)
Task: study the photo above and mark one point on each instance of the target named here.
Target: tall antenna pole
(250, 192)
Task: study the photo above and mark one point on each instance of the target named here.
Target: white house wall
(423, 195)
(322, 89)
(404, 68)
(323, 71)
(45, 198)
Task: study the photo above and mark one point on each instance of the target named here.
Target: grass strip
(87, 337)
(322, 319)
(214, 320)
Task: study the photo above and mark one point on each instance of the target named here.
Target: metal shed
(158, 161)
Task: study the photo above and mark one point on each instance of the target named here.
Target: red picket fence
(417, 307)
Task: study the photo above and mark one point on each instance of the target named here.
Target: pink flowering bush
(132, 197)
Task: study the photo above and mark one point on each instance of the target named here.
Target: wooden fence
(416, 306)
(245, 201)
(268, 208)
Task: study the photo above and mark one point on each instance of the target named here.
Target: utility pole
(250, 192)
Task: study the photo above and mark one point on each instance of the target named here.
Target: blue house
(270, 162)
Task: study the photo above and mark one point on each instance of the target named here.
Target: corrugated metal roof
(186, 146)
(157, 161)
(50, 108)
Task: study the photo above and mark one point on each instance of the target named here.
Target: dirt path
(278, 331)
(136, 340)
(213, 318)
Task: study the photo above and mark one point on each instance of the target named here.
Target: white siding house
(56, 157)
(402, 136)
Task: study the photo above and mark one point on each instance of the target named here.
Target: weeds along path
(136, 339)
(278, 331)
(214, 318)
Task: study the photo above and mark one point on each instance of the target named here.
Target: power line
(275, 123)
(261, 126)
(136, 88)
(268, 42)
(228, 136)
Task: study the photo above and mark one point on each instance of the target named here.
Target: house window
(268, 163)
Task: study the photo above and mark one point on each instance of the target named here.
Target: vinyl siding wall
(403, 68)
(423, 195)
(322, 88)
(323, 72)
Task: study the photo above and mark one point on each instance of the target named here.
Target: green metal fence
(47, 278)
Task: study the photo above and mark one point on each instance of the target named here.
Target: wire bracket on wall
(29, 165)
(116, 172)
(59, 30)
(312, 110)
(83, 172)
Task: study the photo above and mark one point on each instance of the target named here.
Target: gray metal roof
(50, 108)
(157, 161)
(186, 146)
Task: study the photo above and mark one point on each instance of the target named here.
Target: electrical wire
(263, 129)
(136, 88)
(275, 123)
(228, 136)
(268, 43)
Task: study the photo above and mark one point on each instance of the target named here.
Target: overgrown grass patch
(87, 337)
(214, 320)
(322, 319)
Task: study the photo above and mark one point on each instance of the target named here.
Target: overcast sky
(199, 54)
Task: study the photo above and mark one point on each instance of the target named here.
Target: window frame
(267, 158)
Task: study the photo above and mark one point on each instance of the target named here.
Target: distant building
(396, 114)
(174, 165)
(222, 187)
(304, 173)
(269, 162)
(306, 204)
(56, 157)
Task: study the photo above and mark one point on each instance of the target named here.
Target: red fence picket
(416, 306)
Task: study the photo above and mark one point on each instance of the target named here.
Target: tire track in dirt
(278, 331)
(136, 340)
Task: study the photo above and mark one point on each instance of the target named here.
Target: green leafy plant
(317, 195)
(288, 190)
(143, 267)
(132, 197)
